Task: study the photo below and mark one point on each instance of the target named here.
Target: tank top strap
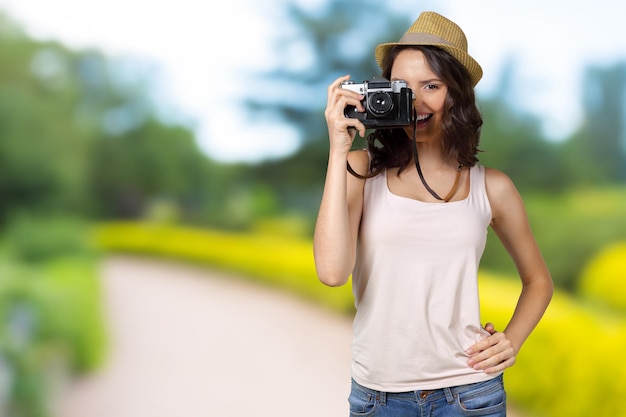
(478, 191)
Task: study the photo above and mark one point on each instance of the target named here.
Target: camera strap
(419, 169)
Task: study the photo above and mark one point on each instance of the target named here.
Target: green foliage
(566, 368)
(602, 279)
(50, 318)
(599, 151)
(570, 228)
(37, 132)
(79, 134)
(39, 238)
(297, 179)
(512, 143)
(151, 162)
(341, 38)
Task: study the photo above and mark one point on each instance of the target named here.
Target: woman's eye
(431, 86)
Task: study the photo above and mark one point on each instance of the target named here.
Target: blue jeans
(480, 399)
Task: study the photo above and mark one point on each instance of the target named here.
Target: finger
(336, 110)
(357, 126)
(480, 346)
(352, 126)
(485, 344)
(496, 363)
(347, 98)
(336, 85)
(501, 366)
(478, 361)
(486, 358)
(494, 355)
(490, 328)
(336, 94)
(342, 129)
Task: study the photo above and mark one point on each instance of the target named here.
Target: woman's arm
(336, 230)
(511, 225)
(337, 227)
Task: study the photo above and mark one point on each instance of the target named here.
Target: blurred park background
(216, 156)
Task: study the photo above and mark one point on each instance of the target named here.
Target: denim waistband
(434, 394)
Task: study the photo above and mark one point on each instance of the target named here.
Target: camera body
(388, 104)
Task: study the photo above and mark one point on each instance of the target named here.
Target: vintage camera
(388, 104)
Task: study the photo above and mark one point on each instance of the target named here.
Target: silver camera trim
(395, 86)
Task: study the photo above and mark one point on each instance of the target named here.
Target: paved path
(190, 343)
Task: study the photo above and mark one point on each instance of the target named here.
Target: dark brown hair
(462, 120)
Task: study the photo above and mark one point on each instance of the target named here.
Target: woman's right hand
(342, 129)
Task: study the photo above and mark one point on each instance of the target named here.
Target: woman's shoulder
(497, 180)
(501, 190)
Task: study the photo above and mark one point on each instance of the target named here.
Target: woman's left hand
(492, 354)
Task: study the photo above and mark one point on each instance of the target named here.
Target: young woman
(410, 224)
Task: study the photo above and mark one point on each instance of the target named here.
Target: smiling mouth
(423, 118)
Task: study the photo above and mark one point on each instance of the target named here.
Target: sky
(204, 49)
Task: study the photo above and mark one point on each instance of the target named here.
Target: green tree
(152, 161)
(79, 133)
(597, 153)
(511, 141)
(42, 150)
(339, 37)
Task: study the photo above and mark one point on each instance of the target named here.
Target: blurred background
(195, 132)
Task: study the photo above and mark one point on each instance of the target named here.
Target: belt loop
(383, 398)
(449, 395)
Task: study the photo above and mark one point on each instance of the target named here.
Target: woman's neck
(431, 156)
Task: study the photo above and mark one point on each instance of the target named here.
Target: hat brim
(471, 66)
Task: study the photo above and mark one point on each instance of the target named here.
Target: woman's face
(430, 92)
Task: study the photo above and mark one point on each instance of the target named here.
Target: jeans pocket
(362, 403)
(487, 399)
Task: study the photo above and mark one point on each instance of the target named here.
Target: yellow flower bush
(604, 278)
(285, 262)
(568, 365)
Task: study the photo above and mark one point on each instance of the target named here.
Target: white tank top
(415, 288)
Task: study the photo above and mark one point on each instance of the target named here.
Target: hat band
(424, 39)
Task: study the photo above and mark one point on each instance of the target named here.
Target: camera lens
(380, 104)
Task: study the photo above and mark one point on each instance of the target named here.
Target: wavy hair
(461, 120)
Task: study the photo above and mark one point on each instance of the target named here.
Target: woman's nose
(417, 99)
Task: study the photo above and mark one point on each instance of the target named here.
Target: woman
(410, 224)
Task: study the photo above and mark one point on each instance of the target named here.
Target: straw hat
(433, 29)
